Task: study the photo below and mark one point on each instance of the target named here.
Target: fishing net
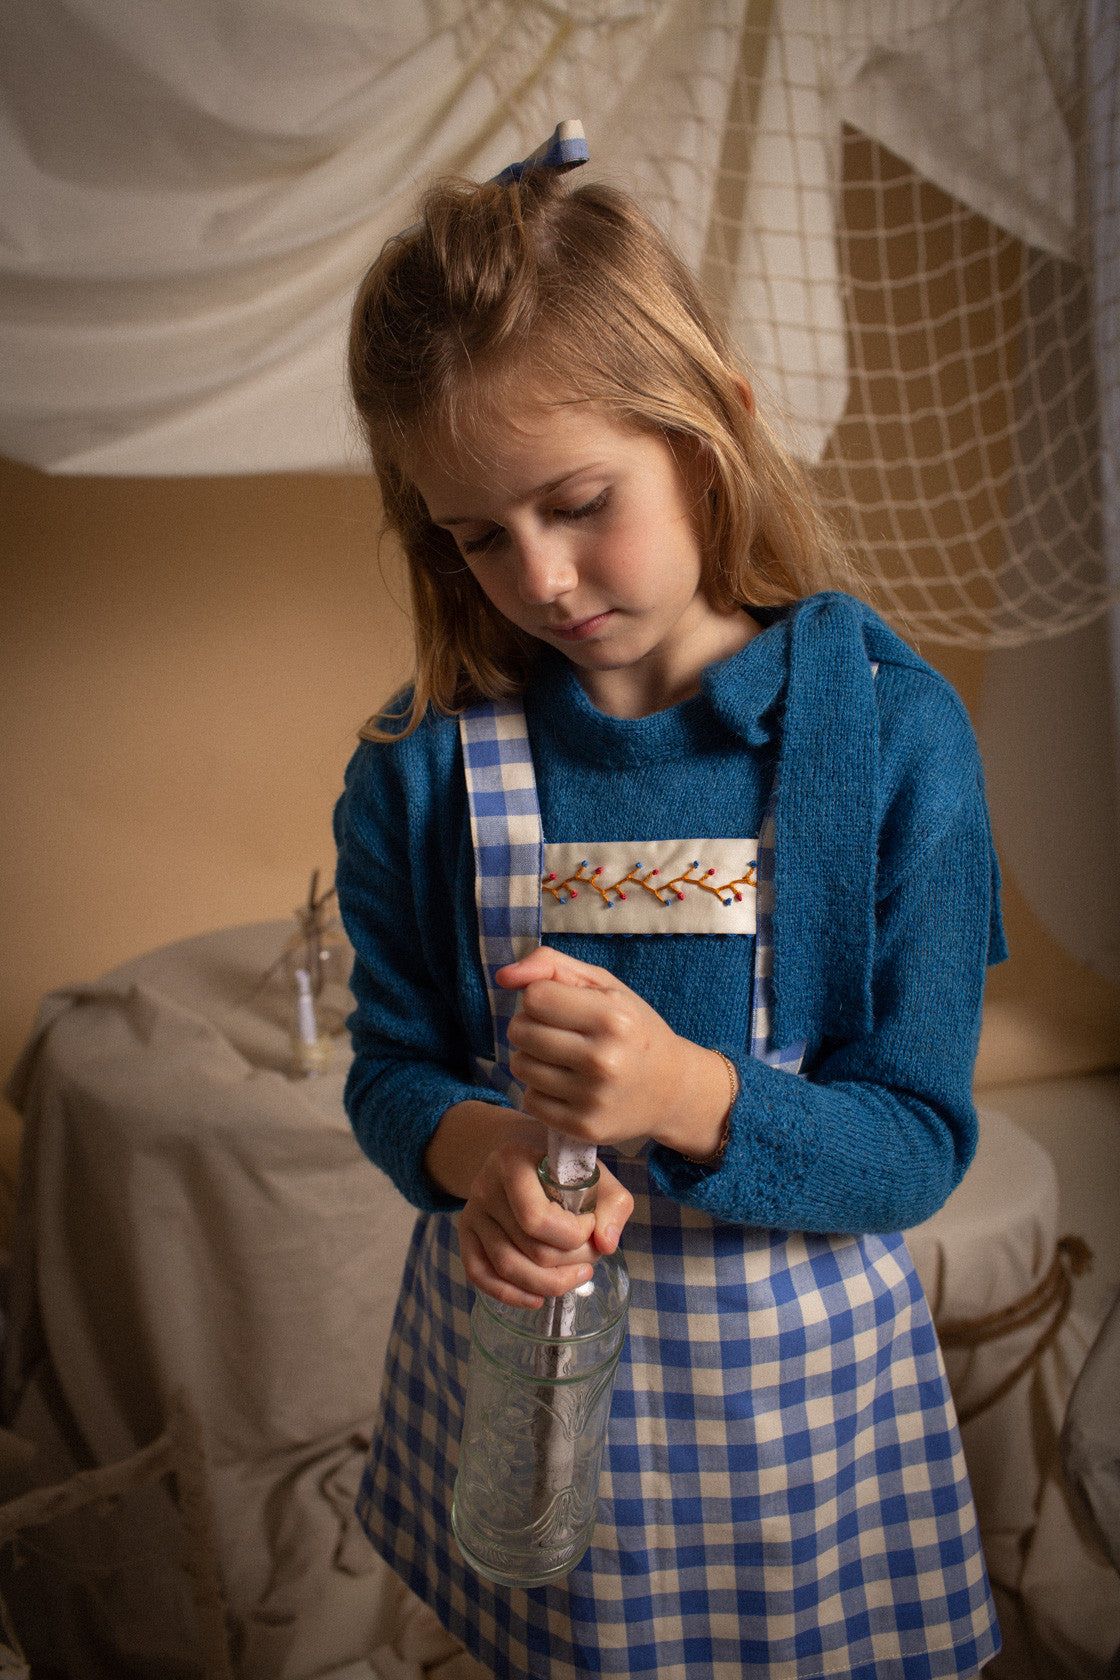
(908, 209)
(915, 235)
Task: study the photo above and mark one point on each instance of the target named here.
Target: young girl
(765, 853)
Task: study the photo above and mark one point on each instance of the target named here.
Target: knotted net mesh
(915, 235)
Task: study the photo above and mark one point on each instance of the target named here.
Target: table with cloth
(194, 1223)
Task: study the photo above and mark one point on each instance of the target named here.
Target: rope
(1052, 1295)
(180, 1453)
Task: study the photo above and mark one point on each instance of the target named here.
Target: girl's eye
(470, 546)
(479, 545)
(595, 505)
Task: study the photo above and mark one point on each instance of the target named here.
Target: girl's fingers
(481, 1275)
(520, 1265)
(549, 1078)
(550, 1041)
(572, 1042)
(573, 1009)
(591, 1037)
(499, 1268)
(509, 1194)
(546, 964)
(541, 1220)
(539, 1252)
(613, 1208)
(554, 1112)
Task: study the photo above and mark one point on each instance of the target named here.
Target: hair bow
(565, 148)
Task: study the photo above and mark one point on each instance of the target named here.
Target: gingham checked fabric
(783, 1492)
(566, 148)
(508, 853)
(788, 1056)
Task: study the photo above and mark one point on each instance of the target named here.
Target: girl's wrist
(467, 1133)
(699, 1129)
(713, 1156)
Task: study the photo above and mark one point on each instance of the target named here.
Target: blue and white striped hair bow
(566, 148)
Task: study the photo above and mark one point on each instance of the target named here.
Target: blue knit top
(886, 916)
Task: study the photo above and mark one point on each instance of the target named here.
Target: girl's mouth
(579, 632)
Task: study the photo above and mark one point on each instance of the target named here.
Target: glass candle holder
(319, 948)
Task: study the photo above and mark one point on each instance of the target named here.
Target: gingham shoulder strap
(508, 854)
(790, 1056)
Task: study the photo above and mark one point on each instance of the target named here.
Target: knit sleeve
(412, 1060)
(881, 1128)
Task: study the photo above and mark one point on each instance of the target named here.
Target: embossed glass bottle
(538, 1398)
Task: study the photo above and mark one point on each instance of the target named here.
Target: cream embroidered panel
(650, 886)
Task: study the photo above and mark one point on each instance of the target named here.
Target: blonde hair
(574, 293)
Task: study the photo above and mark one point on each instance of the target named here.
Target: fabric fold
(825, 867)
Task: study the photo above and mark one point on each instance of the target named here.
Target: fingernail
(586, 1273)
(611, 1236)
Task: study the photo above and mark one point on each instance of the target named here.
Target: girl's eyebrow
(540, 490)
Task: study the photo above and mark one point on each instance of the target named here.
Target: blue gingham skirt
(783, 1489)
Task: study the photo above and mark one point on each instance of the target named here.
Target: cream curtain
(191, 190)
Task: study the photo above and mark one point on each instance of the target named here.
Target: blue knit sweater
(886, 916)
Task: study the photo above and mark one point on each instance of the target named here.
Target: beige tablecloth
(191, 1218)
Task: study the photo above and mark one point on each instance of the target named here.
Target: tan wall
(185, 664)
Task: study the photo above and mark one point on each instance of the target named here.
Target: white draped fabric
(191, 190)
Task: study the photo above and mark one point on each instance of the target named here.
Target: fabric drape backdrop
(190, 191)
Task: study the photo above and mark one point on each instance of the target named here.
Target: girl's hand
(599, 1064)
(518, 1246)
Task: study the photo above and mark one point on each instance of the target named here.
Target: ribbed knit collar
(742, 691)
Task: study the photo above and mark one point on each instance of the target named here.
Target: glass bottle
(318, 947)
(539, 1386)
(311, 1051)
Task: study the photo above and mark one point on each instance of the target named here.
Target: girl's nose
(545, 568)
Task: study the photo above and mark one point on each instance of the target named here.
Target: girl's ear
(745, 393)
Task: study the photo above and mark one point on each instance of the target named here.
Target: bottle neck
(574, 1198)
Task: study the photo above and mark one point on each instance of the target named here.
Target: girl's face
(582, 532)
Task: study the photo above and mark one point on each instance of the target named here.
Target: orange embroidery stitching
(571, 885)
